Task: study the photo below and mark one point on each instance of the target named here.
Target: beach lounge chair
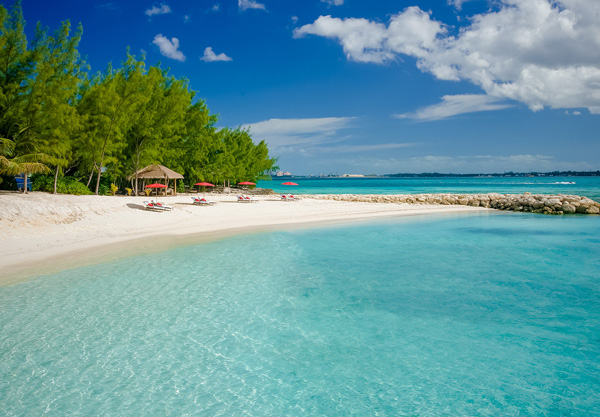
(294, 197)
(163, 206)
(285, 197)
(149, 205)
(246, 199)
(202, 201)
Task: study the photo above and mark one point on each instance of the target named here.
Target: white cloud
(156, 10)
(110, 6)
(455, 105)
(457, 3)
(361, 39)
(169, 48)
(250, 4)
(487, 164)
(210, 56)
(216, 7)
(288, 132)
(186, 18)
(294, 19)
(538, 52)
(573, 113)
(360, 148)
(333, 2)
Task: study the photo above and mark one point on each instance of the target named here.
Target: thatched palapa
(157, 172)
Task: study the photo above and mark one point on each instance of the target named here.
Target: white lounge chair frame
(202, 201)
(148, 205)
(245, 199)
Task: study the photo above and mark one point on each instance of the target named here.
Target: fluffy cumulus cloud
(542, 53)
(250, 4)
(455, 105)
(169, 48)
(156, 10)
(210, 56)
(361, 39)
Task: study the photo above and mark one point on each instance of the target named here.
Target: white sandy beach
(44, 233)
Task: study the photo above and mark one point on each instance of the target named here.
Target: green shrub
(104, 189)
(64, 185)
(113, 189)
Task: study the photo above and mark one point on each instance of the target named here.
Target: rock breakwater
(534, 203)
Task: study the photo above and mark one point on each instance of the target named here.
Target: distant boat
(565, 182)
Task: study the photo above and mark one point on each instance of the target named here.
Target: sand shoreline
(44, 233)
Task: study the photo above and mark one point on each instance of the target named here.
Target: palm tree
(20, 156)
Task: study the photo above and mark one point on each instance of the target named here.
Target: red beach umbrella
(246, 183)
(204, 184)
(288, 183)
(157, 186)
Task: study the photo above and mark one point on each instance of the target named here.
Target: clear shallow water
(587, 186)
(464, 315)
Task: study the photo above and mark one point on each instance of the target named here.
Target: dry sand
(44, 233)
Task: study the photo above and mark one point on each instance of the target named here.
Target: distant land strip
(505, 174)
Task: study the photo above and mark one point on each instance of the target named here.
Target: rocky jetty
(534, 203)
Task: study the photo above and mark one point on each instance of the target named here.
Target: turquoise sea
(493, 314)
(587, 186)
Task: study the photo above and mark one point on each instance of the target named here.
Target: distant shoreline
(452, 175)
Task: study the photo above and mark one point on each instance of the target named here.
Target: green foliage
(129, 190)
(114, 188)
(109, 126)
(65, 185)
(103, 189)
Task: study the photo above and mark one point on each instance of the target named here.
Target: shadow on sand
(135, 206)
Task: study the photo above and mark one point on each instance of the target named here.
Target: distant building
(283, 174)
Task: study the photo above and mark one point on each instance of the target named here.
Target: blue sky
(349, 86)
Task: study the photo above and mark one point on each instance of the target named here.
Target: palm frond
(4, 162)
(34, 168)
(7, 146)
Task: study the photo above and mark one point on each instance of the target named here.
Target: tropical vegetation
(59, 120)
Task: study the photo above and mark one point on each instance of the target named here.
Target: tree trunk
(137, 165)
(98, 180)
(25, 183)
(102, 154)
(99, 171)
(91, 176)
(55, 179)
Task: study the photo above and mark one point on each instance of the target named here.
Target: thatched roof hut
(158, 172)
